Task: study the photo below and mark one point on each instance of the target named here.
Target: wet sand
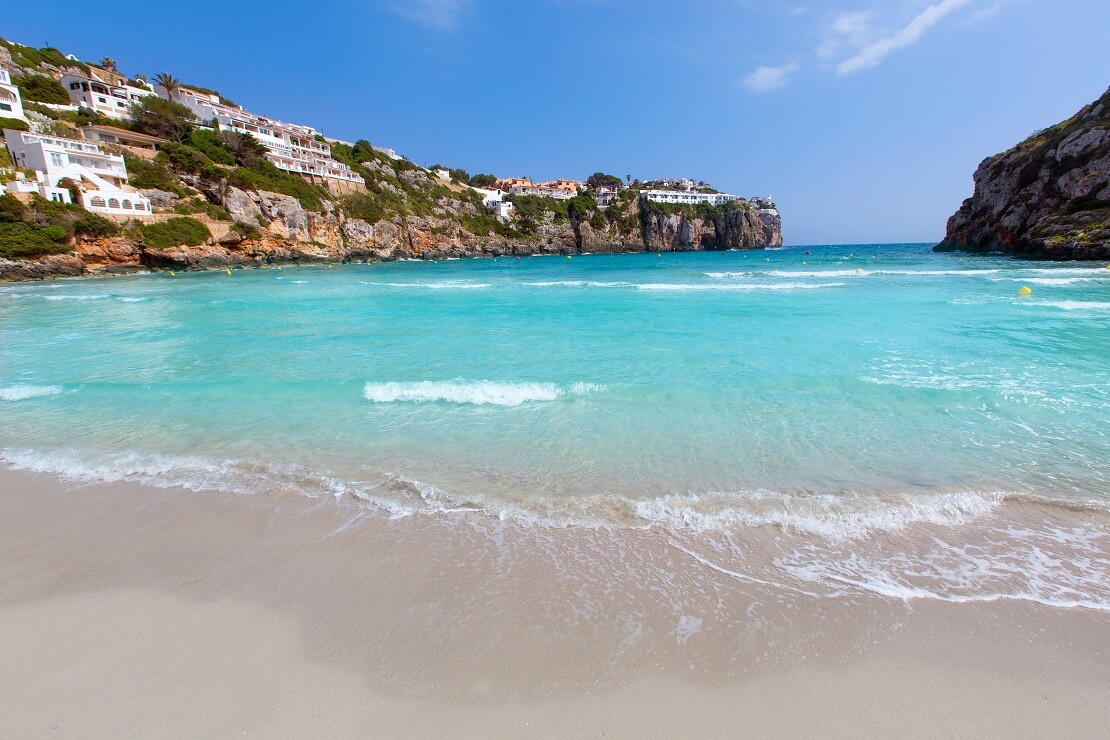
(127, 611)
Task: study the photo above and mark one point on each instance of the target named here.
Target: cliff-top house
(103, 93)
(290, 147)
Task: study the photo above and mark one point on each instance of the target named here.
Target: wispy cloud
(859, 39)
(873, 53)
(440, 14)
(764, 79)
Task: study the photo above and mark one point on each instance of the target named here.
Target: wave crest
(478, 393)
(21, 392)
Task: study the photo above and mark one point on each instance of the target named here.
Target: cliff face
(293, 234)
(1048, 197)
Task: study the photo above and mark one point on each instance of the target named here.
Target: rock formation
(1047, 198)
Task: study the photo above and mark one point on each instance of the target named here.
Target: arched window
(113, 203)
(96, 202)
(127, 204)
(140, 207)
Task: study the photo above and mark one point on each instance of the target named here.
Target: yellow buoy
(173, 274)
(569, 257)
(658, 255)
(1108, 267)
(329, 266)
(858, 271)
(804, 262)
(229, 271)
(1025, 291)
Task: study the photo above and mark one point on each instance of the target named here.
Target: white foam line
(905, 593)
(735, 574)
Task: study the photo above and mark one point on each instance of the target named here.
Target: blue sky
(863, 118)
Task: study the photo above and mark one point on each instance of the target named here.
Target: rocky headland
(1047, 198)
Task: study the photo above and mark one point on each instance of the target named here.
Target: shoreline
(173, 599)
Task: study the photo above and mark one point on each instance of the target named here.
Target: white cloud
(871, 53)
(441, 14)
(770, 78)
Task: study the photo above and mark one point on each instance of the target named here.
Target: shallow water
(838, 397)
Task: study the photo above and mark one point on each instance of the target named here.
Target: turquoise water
(852, 387)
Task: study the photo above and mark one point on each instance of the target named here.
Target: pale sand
(127, 611)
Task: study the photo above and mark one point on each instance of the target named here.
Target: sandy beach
(129, 611)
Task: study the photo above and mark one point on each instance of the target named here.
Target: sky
(864, 119)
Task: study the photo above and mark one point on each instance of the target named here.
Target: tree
(362, 151)
(247, 150)
(109, 64)
(168, 81)
(157, 117)
(603, 180)
(483, 180)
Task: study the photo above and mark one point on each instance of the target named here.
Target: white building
(494, 200)
(39, 185)
(441, 173)
(101, 177)
(690, 197)
(11, 104)
(105, 98)
(290, 147)
(604, 196)
(541, 191)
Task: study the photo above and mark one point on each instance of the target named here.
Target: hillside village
(105, 172)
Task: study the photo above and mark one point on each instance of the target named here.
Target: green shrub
(42, 89)
(210, 144)
(55, 233)
(265, 176)
(94, 226)
(163, 118)
(27, 240)
(11, 209)
(363, 206)
(153, 174)
(175, 232)
(200, 205)
(245, 230)
(14, 123)
(184, 158)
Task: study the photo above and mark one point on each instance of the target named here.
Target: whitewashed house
(39, 185)
(101, 177)
(11, 103)
(689, 197)
(494, 200)
(102, 97)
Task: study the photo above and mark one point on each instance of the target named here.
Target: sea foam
(21, 392)
(478, 393)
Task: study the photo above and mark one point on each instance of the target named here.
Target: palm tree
(109, 64)
(168, 81)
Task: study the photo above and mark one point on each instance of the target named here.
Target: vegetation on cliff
(44, 227)
(1047, 197)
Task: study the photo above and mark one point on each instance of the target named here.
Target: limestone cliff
(1048, 197)
(290, 233)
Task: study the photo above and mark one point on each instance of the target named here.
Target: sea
(875, 420)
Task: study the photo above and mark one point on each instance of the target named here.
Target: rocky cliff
(1048, 197)
(290, 233)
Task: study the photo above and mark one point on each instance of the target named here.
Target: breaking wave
(478, 393)
(21, 392)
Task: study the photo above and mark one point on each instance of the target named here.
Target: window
(127, 204)
(96, 202)
(5, 106)
(56, 159)
(102, 100)
(75, 86)
(140, 207)
(113, 203)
